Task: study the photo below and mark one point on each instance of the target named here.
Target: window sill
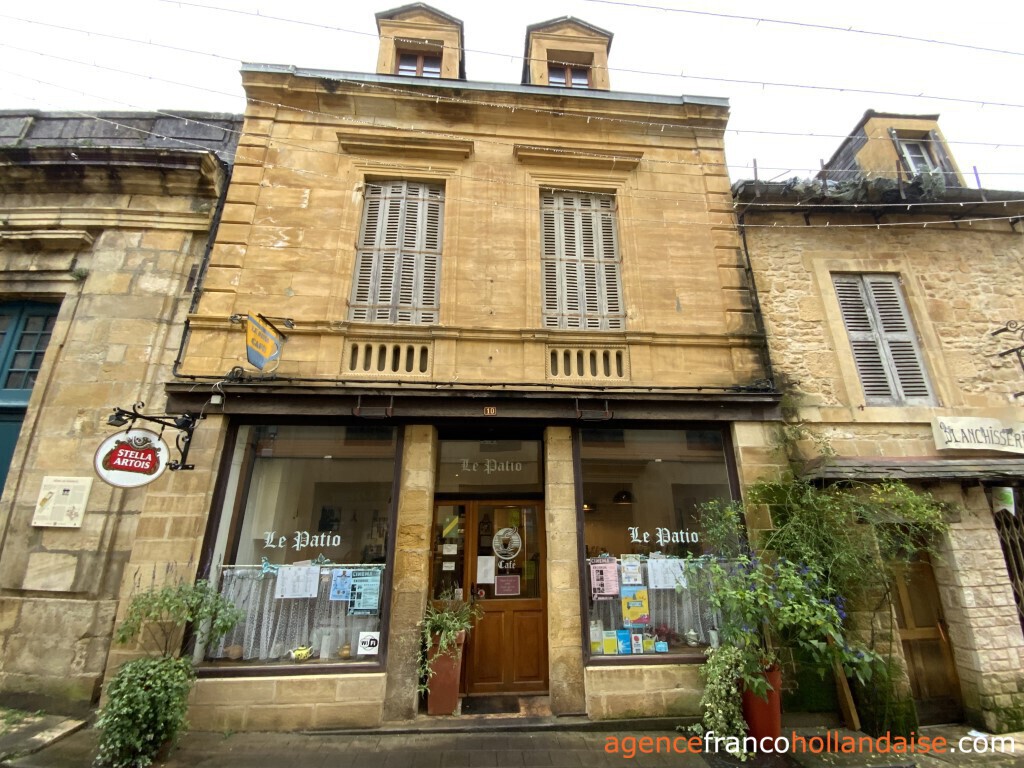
(212, 669)
(694, 656)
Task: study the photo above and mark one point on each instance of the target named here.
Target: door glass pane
(449, 538)
(508, 555)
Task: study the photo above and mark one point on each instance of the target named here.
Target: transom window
(416, 64)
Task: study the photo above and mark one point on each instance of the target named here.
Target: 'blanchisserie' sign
(962, 433)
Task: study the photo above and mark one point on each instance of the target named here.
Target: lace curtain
(272, 626)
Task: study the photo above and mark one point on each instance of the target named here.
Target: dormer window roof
(417, 40)
(567, 53)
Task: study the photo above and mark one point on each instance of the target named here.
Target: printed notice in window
(604, 578)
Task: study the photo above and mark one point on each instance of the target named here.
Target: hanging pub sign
(131, 458)
(263, 342)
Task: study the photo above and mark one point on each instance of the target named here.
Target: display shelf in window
(663, 614)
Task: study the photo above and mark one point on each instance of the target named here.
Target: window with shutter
(580, 273)
(398, 256)
(883, 341)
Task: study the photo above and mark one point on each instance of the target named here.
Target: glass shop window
(642, 491)
(302, 545)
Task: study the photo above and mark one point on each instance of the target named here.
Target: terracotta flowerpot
(443, 686)
(764, 718)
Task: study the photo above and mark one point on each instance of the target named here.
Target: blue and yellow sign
(263, 341)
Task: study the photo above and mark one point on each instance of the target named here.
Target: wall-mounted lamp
(623, 497)
(589, 506)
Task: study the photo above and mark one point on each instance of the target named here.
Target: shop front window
(302, 545)
(642, 491)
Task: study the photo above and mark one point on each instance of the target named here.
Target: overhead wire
(702, 164)
(838, 89)
(808, 25)
(633, 194)
(505, 206)
(417, 93)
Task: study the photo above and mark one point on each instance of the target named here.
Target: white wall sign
(61, 502)
(131, 458)
(1002, 500)
(969, 434)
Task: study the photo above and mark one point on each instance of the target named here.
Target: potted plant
(766, 604)
(445, 624)
(147, 698)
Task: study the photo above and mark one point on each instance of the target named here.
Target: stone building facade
(104, 224)
(483, 337)
(887, 287)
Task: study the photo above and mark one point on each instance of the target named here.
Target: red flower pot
(764, 717)
(443, 685)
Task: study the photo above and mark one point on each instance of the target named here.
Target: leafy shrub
(147, 701)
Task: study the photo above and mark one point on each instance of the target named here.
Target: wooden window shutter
(882, 338)
(397, 274)
(580, 277)
(942, 159)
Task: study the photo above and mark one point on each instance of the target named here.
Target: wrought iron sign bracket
(1017, 329)
(185, 423)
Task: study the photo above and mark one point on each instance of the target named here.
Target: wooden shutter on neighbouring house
(942, 159)
(398, 258)
(882, 338)
(582, 286)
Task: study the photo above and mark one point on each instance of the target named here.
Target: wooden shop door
(934, 681)
(498, 560)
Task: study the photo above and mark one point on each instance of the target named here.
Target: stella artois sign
(131, 458)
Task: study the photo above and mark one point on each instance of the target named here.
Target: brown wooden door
(933, 677)
(494, 551)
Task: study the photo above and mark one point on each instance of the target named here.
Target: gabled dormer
(419, 41)
(567, 53)
(884, 144)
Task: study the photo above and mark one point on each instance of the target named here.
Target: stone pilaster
(977, 598)
(411, 575)
(565, 643)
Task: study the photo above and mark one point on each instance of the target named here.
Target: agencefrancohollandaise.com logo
(975, 742)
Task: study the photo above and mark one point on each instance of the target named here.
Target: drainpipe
(197, 289)
(766, 359)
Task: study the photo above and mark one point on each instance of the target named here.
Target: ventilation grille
(391, 359)
(588, 363)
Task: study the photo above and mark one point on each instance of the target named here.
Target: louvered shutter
(885, 348)
(399, 255)
(581, 285)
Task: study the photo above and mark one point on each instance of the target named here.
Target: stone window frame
(415, 210)
(883, 339)
(848, 382)
(581, 292)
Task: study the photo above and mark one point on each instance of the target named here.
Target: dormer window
(568, 75)
(419, 64)
(917, 156)
(566, 53)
